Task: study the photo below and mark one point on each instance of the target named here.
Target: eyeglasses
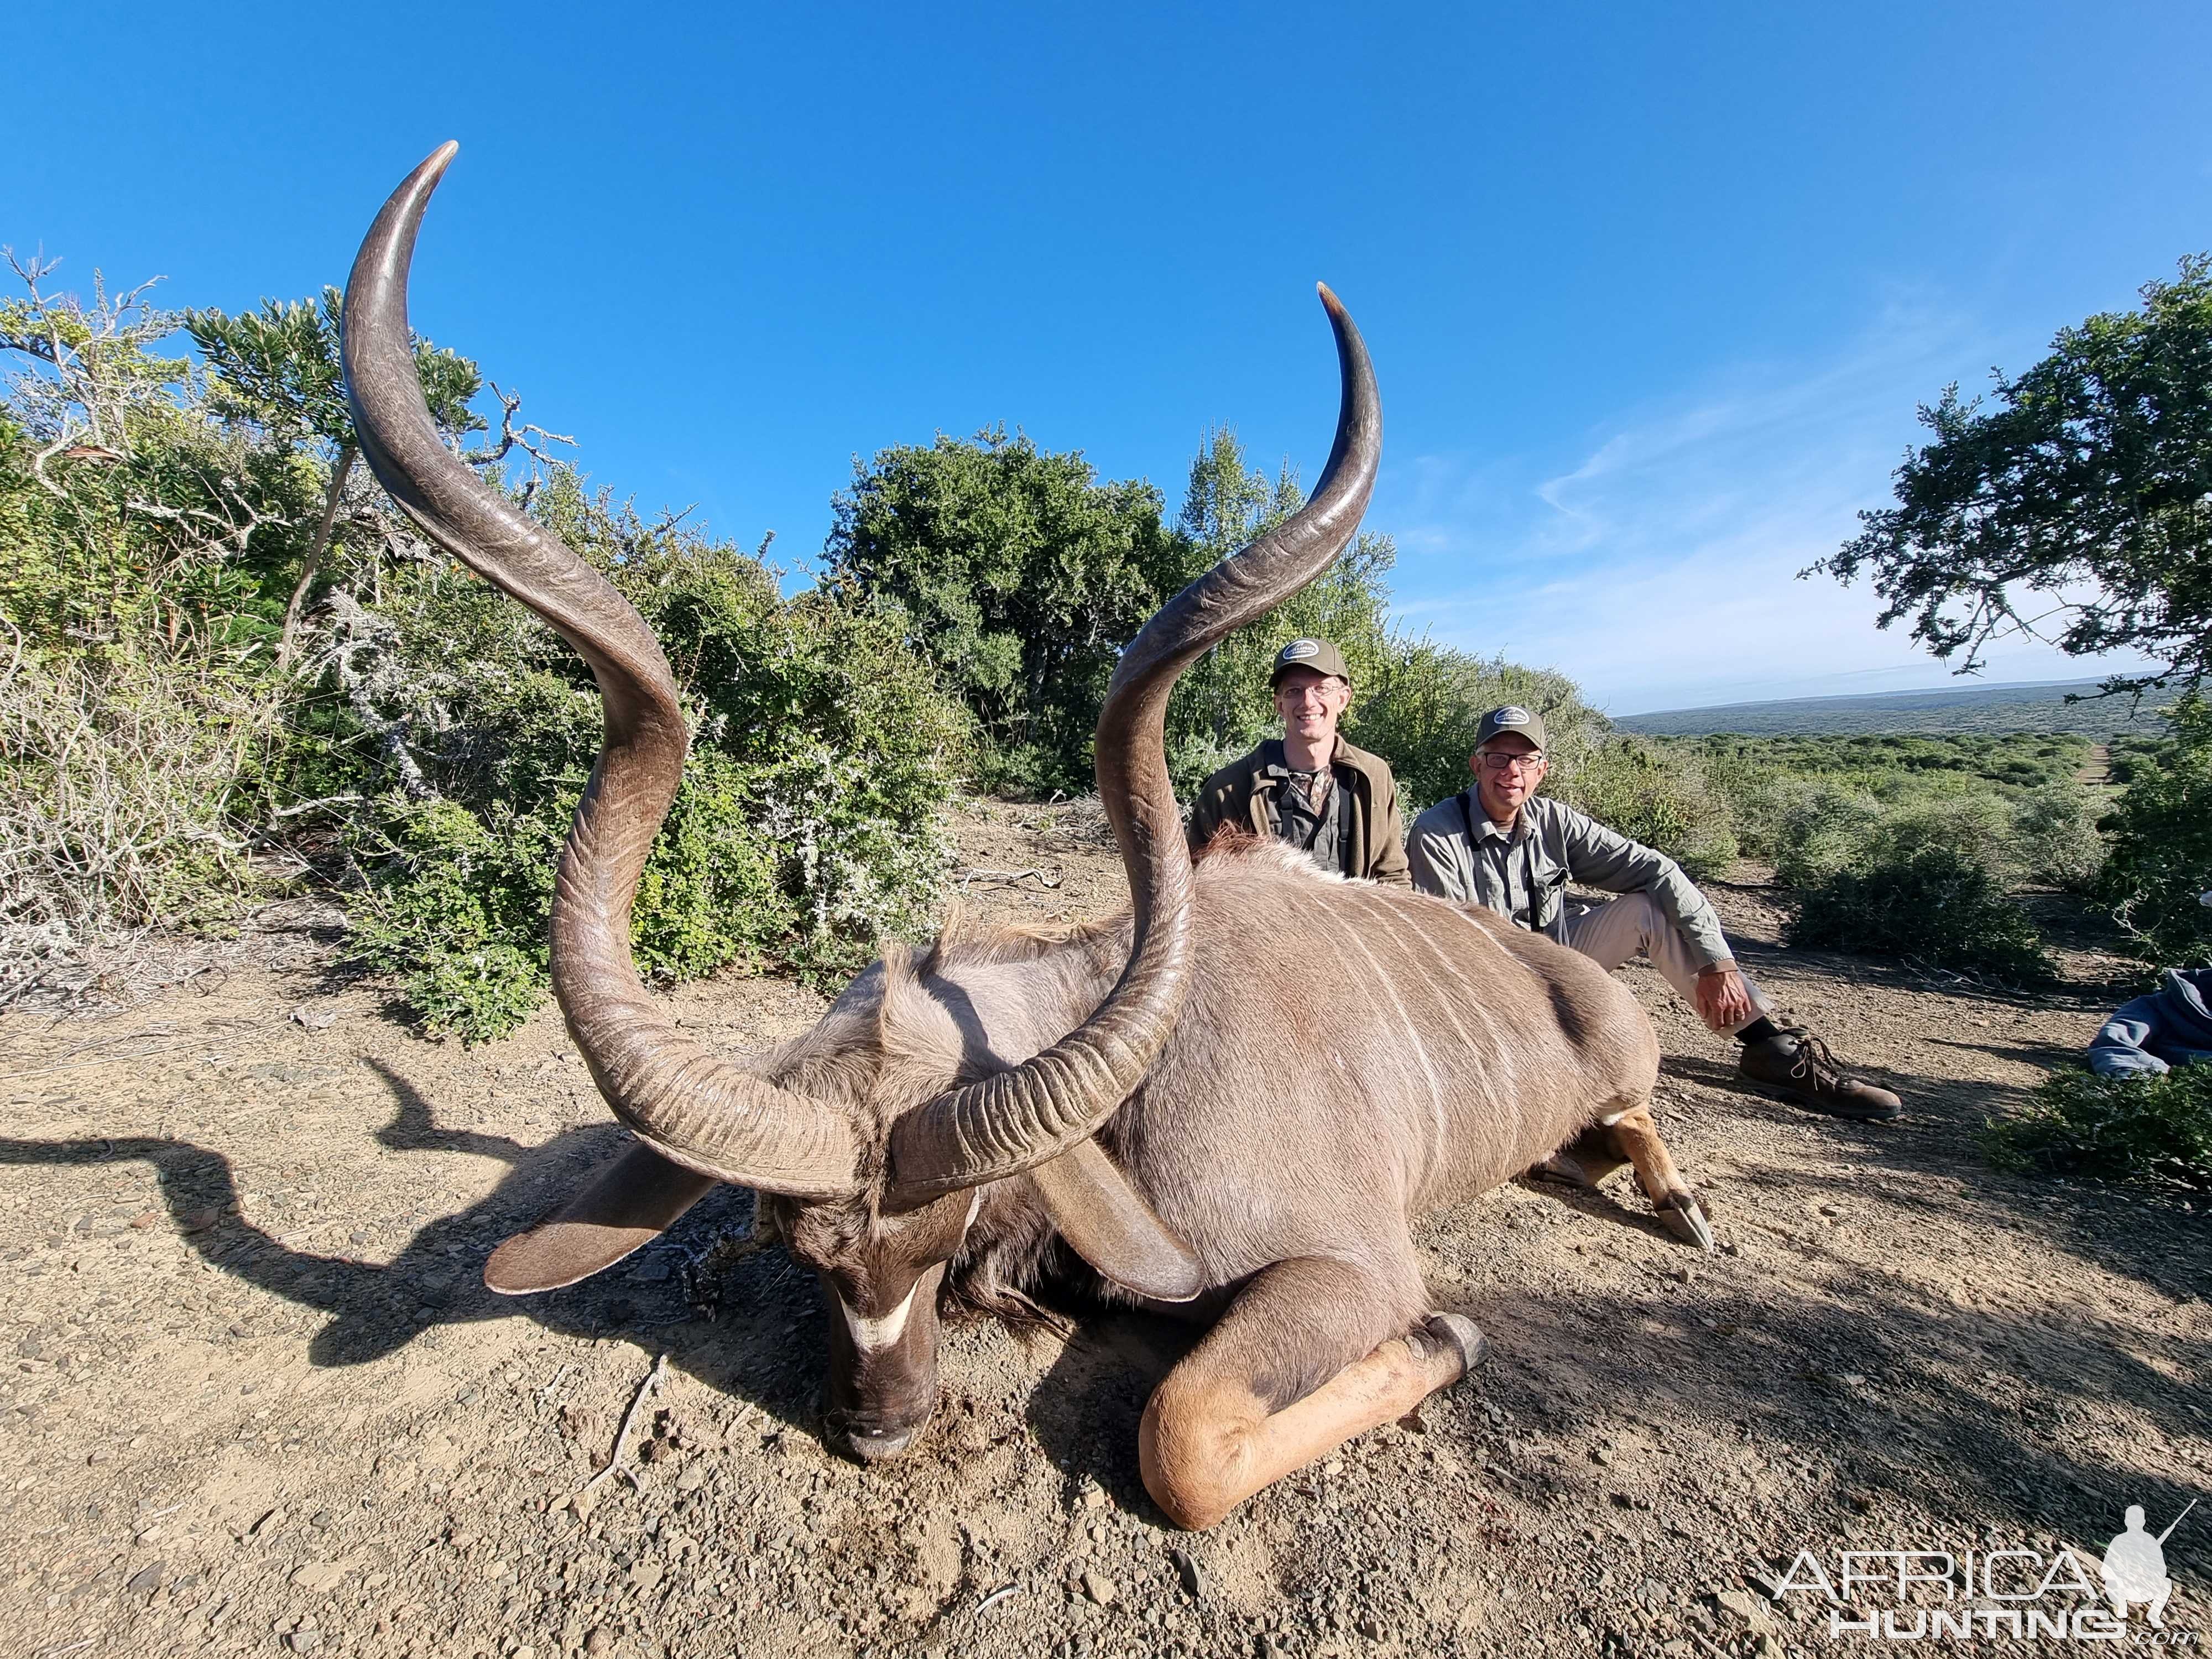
(1502, 762)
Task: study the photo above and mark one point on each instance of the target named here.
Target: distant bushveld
(1981, 708)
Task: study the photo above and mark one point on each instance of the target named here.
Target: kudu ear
(631, 1202)
(1107, 1222)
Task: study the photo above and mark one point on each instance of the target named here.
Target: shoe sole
(1791, 1097)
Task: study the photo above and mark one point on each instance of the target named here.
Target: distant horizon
(1968, 688)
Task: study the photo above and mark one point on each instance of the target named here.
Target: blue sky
(1652, 292)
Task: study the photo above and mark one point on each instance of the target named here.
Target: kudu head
(872, 1172)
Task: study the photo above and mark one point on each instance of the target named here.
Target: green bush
(1812, 829)
(2055, 837)
(1816, 805)
(1419, 708)
(1663, 800)
(2148, 1129)
(1935, 906)
(807, 826)
(2161, 845)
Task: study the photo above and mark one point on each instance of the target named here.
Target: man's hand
(1723, 999)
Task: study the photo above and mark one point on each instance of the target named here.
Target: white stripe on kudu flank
(1413, 1036)
(1490, 1051)
(874, 1335)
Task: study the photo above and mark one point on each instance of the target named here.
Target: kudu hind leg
(1311, 1354)
(1680, 1210)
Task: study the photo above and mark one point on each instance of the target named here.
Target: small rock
(146, 1579)
(694, 1476)
(1770, 1647)
(1094, 1497)
(304, 1641)
(31, 1348)
(1099, 1588)
(1186, 1566)
(1684, 1276)
(646, 1575)
(1600, 1454)
(601, 1640)
(198, 1221)
(1740, 1606)
(318, 1577)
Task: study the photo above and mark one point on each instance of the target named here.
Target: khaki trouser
(1610, 933)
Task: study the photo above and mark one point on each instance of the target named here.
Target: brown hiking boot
(1797, 1067)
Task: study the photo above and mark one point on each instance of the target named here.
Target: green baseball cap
(1524, 722)
(1317, 654)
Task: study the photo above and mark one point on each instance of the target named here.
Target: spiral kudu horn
(695, 1107)
(1017, 1119)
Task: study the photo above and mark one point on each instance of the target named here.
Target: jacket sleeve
(1434, 864)
(1389, 864)
(2118, 1048)
(1608, 861)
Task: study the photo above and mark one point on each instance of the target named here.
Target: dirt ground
(257, 1400)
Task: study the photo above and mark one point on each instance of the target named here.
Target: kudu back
(1231, 1101)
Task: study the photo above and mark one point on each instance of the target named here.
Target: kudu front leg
(1680, 1210)
(1311, 1354)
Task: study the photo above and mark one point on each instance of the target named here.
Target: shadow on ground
(765, 1348)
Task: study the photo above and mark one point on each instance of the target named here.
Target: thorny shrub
(1933, 905)
(2161, 856)
(807, 827)
(2154, 1130)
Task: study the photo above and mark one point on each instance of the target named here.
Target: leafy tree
(2089, 488)
(2161, 852)
(277, 369)
(1017, 573)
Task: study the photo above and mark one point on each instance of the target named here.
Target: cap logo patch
(1299, 650)
(1512, 714)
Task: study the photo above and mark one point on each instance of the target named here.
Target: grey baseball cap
(1317, 654)
(1524, 722)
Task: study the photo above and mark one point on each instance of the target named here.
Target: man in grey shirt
(1504, 847)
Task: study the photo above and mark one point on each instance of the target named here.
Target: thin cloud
(1659, 567)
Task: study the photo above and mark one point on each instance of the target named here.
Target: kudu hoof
(1457, 1334)
(1684, 1215)
(1562, 1169)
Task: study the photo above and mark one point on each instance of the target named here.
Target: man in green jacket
(1337, 803)
(1505, 848)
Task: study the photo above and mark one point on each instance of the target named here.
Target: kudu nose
(870, 1443)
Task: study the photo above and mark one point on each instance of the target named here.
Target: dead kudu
(1230, 1102)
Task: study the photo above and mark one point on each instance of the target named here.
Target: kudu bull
(1231, 1101)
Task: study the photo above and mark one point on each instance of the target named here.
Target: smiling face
(1507, 771)
(1311, 704)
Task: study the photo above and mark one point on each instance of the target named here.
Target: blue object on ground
(2172, 1026)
